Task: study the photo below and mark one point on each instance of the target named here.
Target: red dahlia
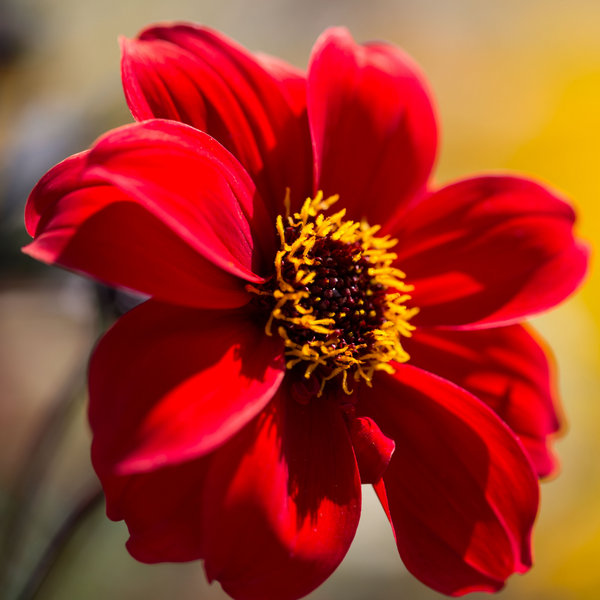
(321, 317)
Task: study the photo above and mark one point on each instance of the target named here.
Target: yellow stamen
(294, 307)
(287, 203)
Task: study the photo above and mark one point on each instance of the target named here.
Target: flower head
(321, 316)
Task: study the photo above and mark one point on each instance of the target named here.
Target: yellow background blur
(518, 87)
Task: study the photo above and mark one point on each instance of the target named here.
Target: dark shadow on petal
(316, 448)
(283, 501)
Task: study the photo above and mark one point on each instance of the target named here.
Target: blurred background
(518, 87)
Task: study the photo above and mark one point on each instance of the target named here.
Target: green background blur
(518, 87)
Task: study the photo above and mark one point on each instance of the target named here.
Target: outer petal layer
(372, 122)
(462, 494)
(283, 502)
(162, 509)
(168, 384)
(157, 207)
(198, 76)
(489, 251)
(506, 368)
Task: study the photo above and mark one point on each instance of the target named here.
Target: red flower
(236, 413)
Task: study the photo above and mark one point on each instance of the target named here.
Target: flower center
(335, 298)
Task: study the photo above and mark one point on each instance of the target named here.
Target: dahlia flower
(321, 316)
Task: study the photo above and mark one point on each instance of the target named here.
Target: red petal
(168, 384)
(373, 125)
(462, 494)
(197, 76)
(489, 251)
(506, 368)
(158, 207)
(162, 510)
(379, 487)
(373, 450)
(283, 502)
(61, 180)
(292, 83)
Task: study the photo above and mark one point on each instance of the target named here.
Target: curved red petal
(292, 83)
(379, 487)
(162, 510)
(60, 181)
(462, 493)
(168, 384)
(489, 251)
(372, 122)
(158, 207)
(506, 368)
(372, 448)
(283, 502)
(198, 76)
(189, 181)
